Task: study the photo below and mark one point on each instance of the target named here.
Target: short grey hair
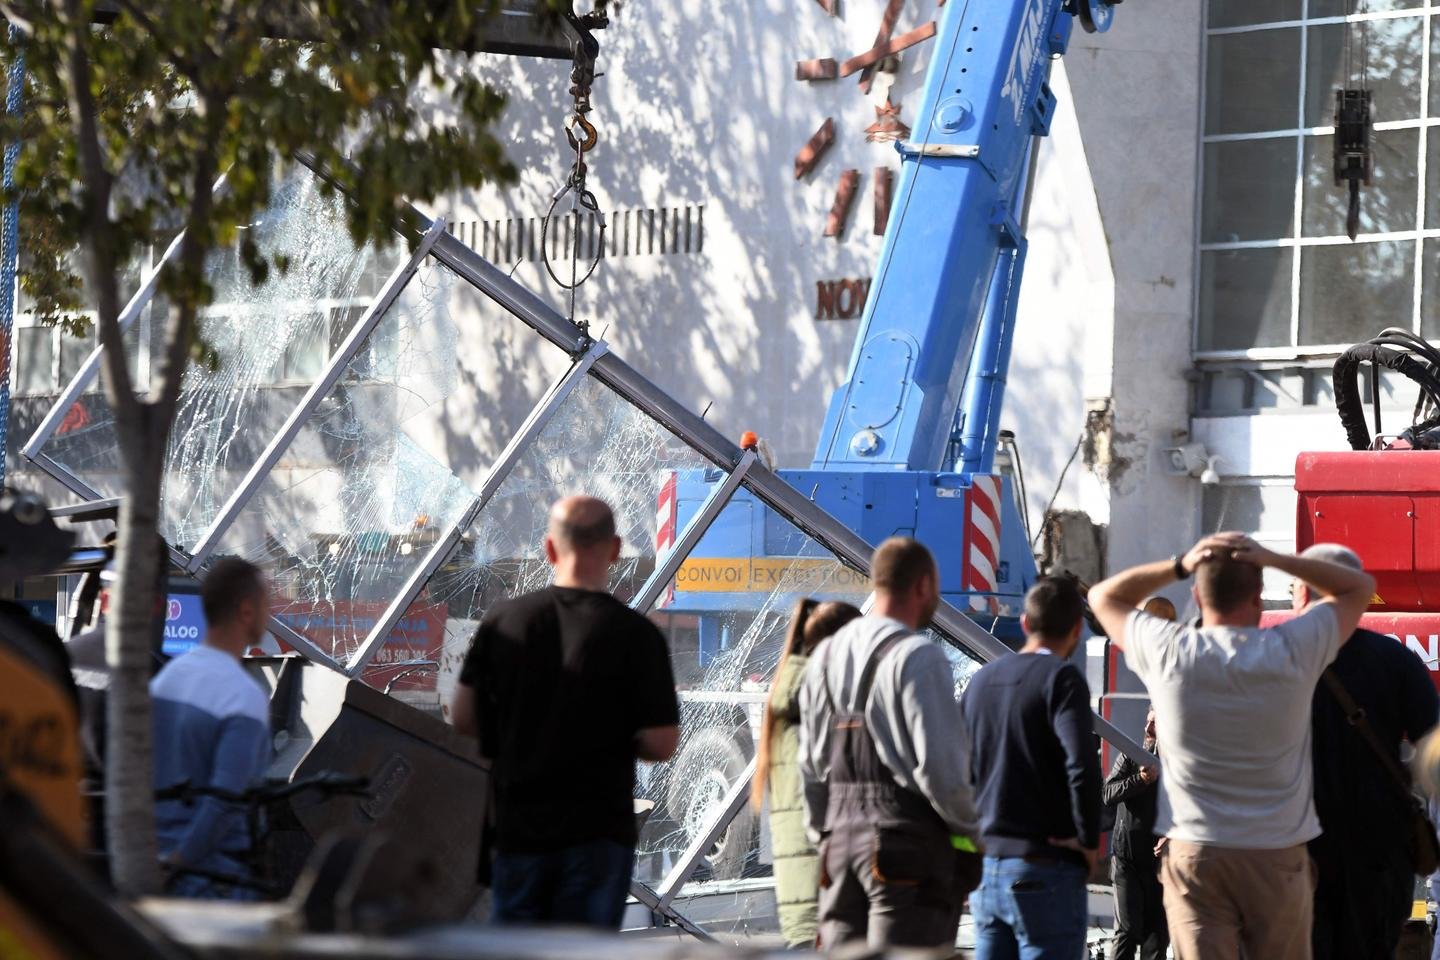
(1334, 553)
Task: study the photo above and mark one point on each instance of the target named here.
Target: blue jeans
(584, 885)
(1030, 911)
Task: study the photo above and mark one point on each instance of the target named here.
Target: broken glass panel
(385, 466)
(726, 615)
(962, 665)
(270, 339)
(597, 443)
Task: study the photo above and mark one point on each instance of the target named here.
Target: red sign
(1420, 632)
(340, 627)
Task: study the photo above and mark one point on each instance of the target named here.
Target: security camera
(1187, 460)
(1210, 476)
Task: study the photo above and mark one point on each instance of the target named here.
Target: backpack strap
(1355, 714)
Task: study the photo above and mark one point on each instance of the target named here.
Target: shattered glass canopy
(271, 340)
(385, 433)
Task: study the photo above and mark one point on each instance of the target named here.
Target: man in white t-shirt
(1234, 705)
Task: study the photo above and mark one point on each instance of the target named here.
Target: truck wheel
(708, 765)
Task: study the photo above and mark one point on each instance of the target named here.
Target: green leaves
(240, 88)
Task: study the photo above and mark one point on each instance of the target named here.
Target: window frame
(1423, 237)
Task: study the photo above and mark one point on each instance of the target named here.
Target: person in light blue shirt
(212, 728)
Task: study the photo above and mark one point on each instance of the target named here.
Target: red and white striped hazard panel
(982, 541)
(666, 519)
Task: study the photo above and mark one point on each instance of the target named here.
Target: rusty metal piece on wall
(884, 195)
(844, 200)
(888, 49)
(887, 27)
(823, 69)
(840, 299)
(830, 6)
(887, 127)
(823, 139)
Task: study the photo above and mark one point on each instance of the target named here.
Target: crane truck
(909, 441)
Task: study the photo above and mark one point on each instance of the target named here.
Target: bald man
(566, 688)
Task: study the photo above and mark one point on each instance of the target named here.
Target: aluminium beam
(91, 368)
(735, 799)
(540, 416)
(772, 490)
(642, 893)
(179, 560)
(318, 391)
(714, 502)
(303, 644)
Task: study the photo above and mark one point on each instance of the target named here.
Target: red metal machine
(1382, 497)
(1384, 505)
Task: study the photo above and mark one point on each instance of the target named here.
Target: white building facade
(1188, 278)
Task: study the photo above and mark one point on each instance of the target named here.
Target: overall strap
(867, 676)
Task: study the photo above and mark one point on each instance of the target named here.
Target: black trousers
(1360, 909)
(1139, 912)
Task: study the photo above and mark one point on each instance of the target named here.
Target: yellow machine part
(39, 754)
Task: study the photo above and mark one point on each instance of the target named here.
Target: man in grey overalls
(886, 759)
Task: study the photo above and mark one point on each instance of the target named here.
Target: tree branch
(147, 23)
(180, 330)
(99, 242)
(24, 22)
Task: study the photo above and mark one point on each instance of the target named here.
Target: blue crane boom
(953, 252)
(909, 439)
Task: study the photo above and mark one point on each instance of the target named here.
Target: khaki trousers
(1223, 903)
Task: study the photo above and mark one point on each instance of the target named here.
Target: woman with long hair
(797, 866)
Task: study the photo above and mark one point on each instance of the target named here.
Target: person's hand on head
(1203, 551)
(1236, 545)
(1245, 548)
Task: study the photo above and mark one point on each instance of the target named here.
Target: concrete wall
(698, 110)
(1137, 92)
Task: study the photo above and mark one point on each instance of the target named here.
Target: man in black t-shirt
(566, 687)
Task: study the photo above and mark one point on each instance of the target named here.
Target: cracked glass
(383, 468)
(726, 614)
(265, 337)
(595, 442)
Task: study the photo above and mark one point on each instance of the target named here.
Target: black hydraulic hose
(1348, 402)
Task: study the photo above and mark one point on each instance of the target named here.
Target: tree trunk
(129, 635)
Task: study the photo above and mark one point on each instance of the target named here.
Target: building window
(1277, 275)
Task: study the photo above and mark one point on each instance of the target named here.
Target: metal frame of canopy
(590, 358)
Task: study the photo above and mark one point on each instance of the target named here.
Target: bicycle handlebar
(331, 784)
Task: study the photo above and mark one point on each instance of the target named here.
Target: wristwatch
(1178, 565)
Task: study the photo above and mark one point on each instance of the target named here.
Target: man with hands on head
(1236, 798)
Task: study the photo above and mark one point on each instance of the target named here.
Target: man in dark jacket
(1037, 775)
(1139, 903)
(1365, 882)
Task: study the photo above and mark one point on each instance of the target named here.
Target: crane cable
(581, 137)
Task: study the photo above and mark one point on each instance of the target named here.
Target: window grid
(1422, 236)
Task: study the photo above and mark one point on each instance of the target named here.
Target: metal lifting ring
(586, 127)
(585, 201)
